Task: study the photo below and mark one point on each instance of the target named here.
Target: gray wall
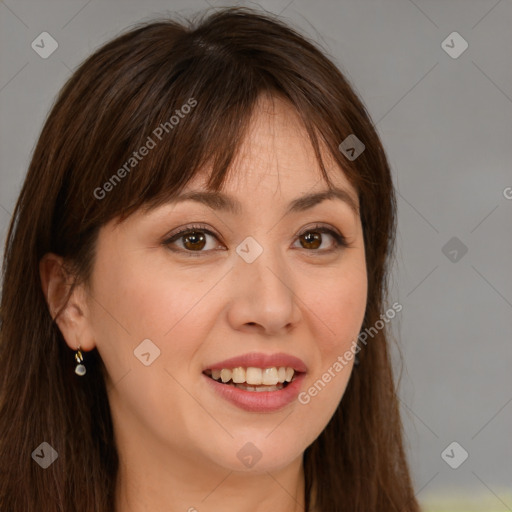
(446, 124)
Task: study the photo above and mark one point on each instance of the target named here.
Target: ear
(73, 320)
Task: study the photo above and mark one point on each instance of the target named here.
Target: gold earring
(80, 368)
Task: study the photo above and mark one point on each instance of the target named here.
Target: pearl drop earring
(80, 368)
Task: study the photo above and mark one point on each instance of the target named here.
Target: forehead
(277, 156)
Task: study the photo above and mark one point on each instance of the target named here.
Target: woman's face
(263, 279)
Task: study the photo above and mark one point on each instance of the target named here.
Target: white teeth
(270, 377)
(258, 389)
(225, 375)
(254, 376)
(238, 375)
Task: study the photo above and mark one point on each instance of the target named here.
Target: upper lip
(260, 360)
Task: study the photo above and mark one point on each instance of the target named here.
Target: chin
(258, 453)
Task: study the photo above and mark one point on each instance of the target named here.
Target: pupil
(313, 238)
(195, 238)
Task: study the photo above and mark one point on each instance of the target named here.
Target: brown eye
(312, 240)
(194, 241)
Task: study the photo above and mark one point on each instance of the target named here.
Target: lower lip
(258, 401)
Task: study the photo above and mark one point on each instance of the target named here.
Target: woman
(196, 258)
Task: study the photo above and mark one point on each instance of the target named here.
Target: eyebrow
(221, 201)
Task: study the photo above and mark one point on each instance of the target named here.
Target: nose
(263, 296)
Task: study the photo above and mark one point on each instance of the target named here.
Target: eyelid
(189, 228)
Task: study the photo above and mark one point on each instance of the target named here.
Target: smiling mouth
(254, 379)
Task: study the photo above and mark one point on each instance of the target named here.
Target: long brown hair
(221, 64)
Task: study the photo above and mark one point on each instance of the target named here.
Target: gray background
(446, 124)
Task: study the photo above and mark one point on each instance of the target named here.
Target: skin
(177, 439)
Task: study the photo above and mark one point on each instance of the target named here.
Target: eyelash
(339, 240)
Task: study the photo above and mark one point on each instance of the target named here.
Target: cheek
(146, 298)
(174, 310)
(336, 315)
(338, 306)
(135, 302)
